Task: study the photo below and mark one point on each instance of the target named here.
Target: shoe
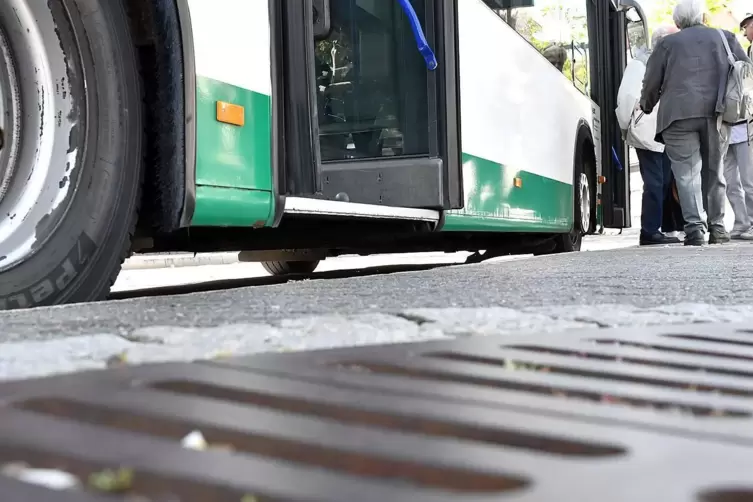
(695, 239)
(657, 239)
(736, 234)
(718, 236)
(747, 235)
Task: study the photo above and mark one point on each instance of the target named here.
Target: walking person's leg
(735, 193)
(745, 166)
(683, 146)
(714, 145)
(672, 223)
(652, 171)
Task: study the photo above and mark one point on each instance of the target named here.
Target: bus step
(614, 414)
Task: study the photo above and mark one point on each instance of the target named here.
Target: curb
(176, 260)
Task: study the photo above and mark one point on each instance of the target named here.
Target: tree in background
(662, 10)
(575, 43)
(719, 10)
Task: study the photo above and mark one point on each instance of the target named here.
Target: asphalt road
(601, 288)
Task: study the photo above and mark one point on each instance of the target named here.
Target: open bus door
(361, 114)
(620, 26)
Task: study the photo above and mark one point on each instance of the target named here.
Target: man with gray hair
(688, 71)
(639, 130)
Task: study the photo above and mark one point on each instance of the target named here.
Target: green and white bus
(296, 130)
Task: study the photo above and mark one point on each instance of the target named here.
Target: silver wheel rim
(38, 126)
(585, 204)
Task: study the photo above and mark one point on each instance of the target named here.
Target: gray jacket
(688, 71)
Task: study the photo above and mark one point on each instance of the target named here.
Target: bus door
(620, 27)
(367, 101)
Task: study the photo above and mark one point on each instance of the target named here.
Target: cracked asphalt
(626, 287)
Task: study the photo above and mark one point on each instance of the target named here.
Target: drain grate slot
(708, 339)
(435, 428)
(727, 495)
(523, 365)
(347, 462)
(388, 369)
(671, 350)
(586, 355)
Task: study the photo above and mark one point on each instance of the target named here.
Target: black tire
(82, 242)
(282, 268)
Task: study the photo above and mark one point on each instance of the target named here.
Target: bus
(297, 130)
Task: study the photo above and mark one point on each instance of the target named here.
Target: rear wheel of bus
(584, 203)
(70, 158)
(283, 268)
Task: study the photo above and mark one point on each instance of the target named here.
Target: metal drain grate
(689, 380)
(440, 421)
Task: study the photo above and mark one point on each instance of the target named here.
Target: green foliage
(522, 21)
(662, 11)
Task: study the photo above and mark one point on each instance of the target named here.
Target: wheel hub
(585, 204)
(38, 119)
(10, 115)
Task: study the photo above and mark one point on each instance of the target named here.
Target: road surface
(599, 288)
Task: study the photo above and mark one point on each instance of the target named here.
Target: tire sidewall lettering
(57, 281)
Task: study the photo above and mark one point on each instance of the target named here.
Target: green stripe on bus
(494, 203)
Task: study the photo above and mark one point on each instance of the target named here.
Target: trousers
(697, 148)
(738, 173)
(656, 171)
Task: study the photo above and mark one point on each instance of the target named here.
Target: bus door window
(558, 29)
(371, 82)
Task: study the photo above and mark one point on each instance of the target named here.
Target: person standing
(747, 27)
(738, 173)
(688, 70)
(738, 165)
(639, 130)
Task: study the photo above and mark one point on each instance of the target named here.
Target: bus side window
(559, 32)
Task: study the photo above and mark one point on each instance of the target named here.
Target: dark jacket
(688, 71)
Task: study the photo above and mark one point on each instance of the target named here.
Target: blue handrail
(418, 33)
(616, 159)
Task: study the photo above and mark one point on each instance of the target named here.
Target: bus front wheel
(283, 268)
(70, 153)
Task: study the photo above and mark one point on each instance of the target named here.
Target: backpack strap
(730, 57)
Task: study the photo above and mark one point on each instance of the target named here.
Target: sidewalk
(175, 260)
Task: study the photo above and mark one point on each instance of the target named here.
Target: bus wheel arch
(163, 35)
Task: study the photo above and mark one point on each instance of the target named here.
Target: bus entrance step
(623, 415)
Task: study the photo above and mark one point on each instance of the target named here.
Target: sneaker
(657, 239)
(718, 236)
(737, 234)
(747, 235)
